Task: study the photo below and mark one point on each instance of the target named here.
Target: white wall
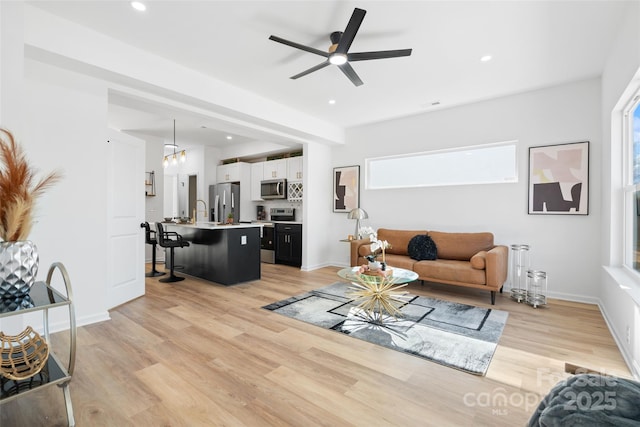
(317, 235)
(154, 205)
(620, 80)
(195, 164)
(66, 117)
(11, 67)
(566, 247)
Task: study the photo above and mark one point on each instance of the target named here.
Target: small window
(480, 164)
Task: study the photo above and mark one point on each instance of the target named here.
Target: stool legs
(172, 277)
(154, 272)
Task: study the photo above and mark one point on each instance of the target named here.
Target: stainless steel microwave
(273, 189)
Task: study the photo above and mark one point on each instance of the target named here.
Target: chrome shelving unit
(43, 297)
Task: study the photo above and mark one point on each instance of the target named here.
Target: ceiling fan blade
(350, 32)
(382, 54)
(350, 73)
(299, 46)
(311, 70)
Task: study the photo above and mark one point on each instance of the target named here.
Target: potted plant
(18, 194)
(229, 218)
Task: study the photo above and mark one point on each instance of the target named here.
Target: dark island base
(222, 255)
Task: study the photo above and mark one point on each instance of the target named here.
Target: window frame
(631, 205)
(462, 150)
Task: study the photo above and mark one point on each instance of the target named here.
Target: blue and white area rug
(457, 335)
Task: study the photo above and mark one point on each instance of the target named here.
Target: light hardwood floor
(199, 354)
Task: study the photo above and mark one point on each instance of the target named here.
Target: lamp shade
(357, 213)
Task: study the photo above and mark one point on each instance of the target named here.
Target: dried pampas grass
(18, 193)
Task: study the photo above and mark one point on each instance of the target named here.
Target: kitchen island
(225, 254)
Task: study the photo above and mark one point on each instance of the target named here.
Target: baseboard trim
(628, 358)
(80, 321)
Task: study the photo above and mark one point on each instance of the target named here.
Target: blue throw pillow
(422, 247)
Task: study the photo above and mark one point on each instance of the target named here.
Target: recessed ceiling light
(138, 6)
(486, 58)
(229, 137)
(332, 101)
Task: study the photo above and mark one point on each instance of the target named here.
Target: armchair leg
(501, 288)
(493, 297)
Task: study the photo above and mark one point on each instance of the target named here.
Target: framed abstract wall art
(346, 188)
(559, 179)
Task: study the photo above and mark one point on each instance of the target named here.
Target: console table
(43, 297)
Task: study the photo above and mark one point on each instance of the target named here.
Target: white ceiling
(534, 44)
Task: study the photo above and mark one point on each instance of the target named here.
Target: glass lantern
(536, 288)
(519, 267)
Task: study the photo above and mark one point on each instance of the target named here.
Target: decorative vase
(18, 268)
(374, 265)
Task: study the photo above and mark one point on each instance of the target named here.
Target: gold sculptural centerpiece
(377, 295)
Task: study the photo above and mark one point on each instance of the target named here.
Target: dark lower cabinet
(289, 244)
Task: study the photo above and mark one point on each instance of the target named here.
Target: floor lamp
(357, 214)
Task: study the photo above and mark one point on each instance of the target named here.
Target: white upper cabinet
(294, 168)
(231, 172)
(257, 175)
(275, 169)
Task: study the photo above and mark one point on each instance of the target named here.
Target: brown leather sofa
(463, 259)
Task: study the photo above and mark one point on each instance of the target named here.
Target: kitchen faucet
(205, 209)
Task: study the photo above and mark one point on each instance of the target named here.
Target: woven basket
(22, 356)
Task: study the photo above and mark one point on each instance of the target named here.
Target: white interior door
(125, 209)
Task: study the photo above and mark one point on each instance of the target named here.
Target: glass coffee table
(398, 275)
(379, 297)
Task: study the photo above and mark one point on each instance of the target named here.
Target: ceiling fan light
(138, 6)
(338, 58)
(165, 162)
(174, 159)
(183, 156)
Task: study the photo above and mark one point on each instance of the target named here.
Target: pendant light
(174, 157)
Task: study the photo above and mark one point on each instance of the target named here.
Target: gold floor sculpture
(378, 295)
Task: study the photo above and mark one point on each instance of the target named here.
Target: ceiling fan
(338, 53)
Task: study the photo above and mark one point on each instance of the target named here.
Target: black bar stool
(171, 240)
(151, 240)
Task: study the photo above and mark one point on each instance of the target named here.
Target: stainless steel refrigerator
(224, 199)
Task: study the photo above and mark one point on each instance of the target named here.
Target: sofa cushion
(398, 239)
(399, 261)
(479, 260)
(461, 246)
(422, 247)
(449, 270)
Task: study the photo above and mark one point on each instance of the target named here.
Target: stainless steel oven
(268, 236)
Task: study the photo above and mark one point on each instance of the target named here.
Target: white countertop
(268, 222)
(215, 225)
